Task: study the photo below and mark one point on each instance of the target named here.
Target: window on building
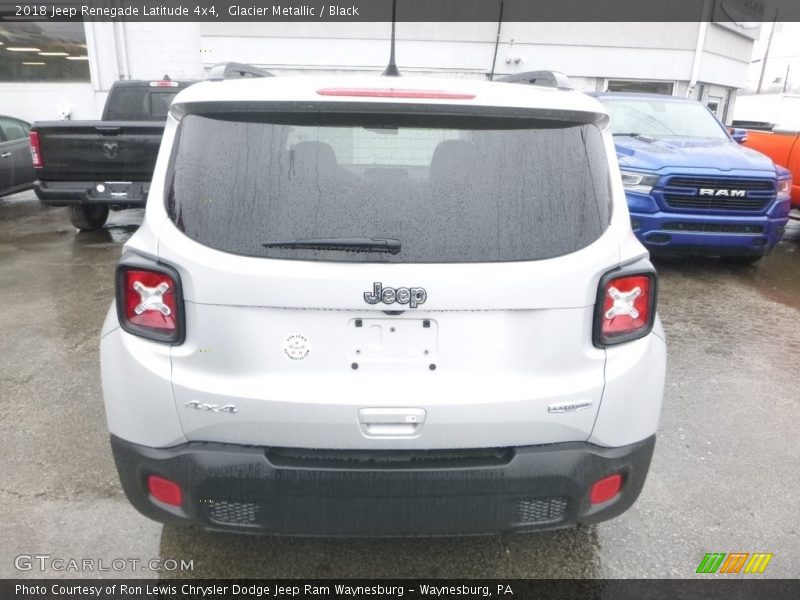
(714, 103)
(40, 51)
(647, 87)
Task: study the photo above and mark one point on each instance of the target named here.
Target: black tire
(87, 217)
(744, 260)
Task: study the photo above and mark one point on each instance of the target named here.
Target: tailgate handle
(391, 421)
(108, 130)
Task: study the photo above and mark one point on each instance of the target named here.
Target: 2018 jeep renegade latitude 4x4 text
(383, 306)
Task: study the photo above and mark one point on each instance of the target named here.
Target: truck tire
(87, 217)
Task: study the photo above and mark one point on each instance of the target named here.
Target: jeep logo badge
(723, 193)
(412, 296)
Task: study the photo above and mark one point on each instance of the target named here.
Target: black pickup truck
(94, 166)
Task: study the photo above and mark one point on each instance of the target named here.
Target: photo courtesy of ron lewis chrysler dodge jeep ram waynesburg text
(383, 306)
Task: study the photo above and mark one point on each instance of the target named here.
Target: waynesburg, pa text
(212, 592)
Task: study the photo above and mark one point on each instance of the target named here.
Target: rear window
(449, 189)
(139, 103)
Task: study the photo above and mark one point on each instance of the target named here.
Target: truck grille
(717, 183)
(684, 192)
(713, 228)
(542, 510)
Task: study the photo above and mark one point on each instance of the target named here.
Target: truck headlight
(641, 183)
(784, 188)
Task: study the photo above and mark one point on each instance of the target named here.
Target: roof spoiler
(234, 70)
(554, 79)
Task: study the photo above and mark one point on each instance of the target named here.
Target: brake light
(625, 308)
(164, 83)
(395, 93)
(36, 151)
(149, 303)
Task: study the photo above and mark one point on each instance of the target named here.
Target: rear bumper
(289, 492)
(63, 193)
(708, 234)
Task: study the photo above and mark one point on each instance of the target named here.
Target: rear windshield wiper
(354, 244)
(638, 136)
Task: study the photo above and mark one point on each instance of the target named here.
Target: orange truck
(783, 148)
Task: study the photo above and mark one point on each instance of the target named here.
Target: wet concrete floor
(725, 474)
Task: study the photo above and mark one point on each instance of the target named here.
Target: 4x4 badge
(228, 408)
(412, 296)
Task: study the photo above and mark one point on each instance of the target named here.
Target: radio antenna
(391, 68)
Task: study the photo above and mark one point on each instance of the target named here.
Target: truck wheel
(743, 260)
(87, 217)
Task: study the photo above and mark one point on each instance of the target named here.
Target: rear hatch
(387, 276)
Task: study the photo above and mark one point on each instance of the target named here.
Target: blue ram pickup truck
(690, 186)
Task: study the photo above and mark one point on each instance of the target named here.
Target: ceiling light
(53, 54)
(77, 57)
(34, 63)
(21, 49)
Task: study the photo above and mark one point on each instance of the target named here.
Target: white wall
(142, 51)
(155, 49)
(40, 101)
(664, 51)
(726, 56)
(351, 47)
(587, 52)
(605, 50)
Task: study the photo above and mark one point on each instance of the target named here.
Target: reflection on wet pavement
(777, 275)
(571, 553)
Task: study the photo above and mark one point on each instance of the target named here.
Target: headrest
(312, 157)
(452, 159)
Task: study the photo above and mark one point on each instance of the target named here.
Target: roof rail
(554, 79)
(233, 70)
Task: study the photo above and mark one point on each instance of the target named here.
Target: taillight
(626, 307)
(36, 151)
(149, 302)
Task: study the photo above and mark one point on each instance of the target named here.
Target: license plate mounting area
(392, 340)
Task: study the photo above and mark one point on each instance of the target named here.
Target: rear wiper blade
(348, 244)
(638, 136)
